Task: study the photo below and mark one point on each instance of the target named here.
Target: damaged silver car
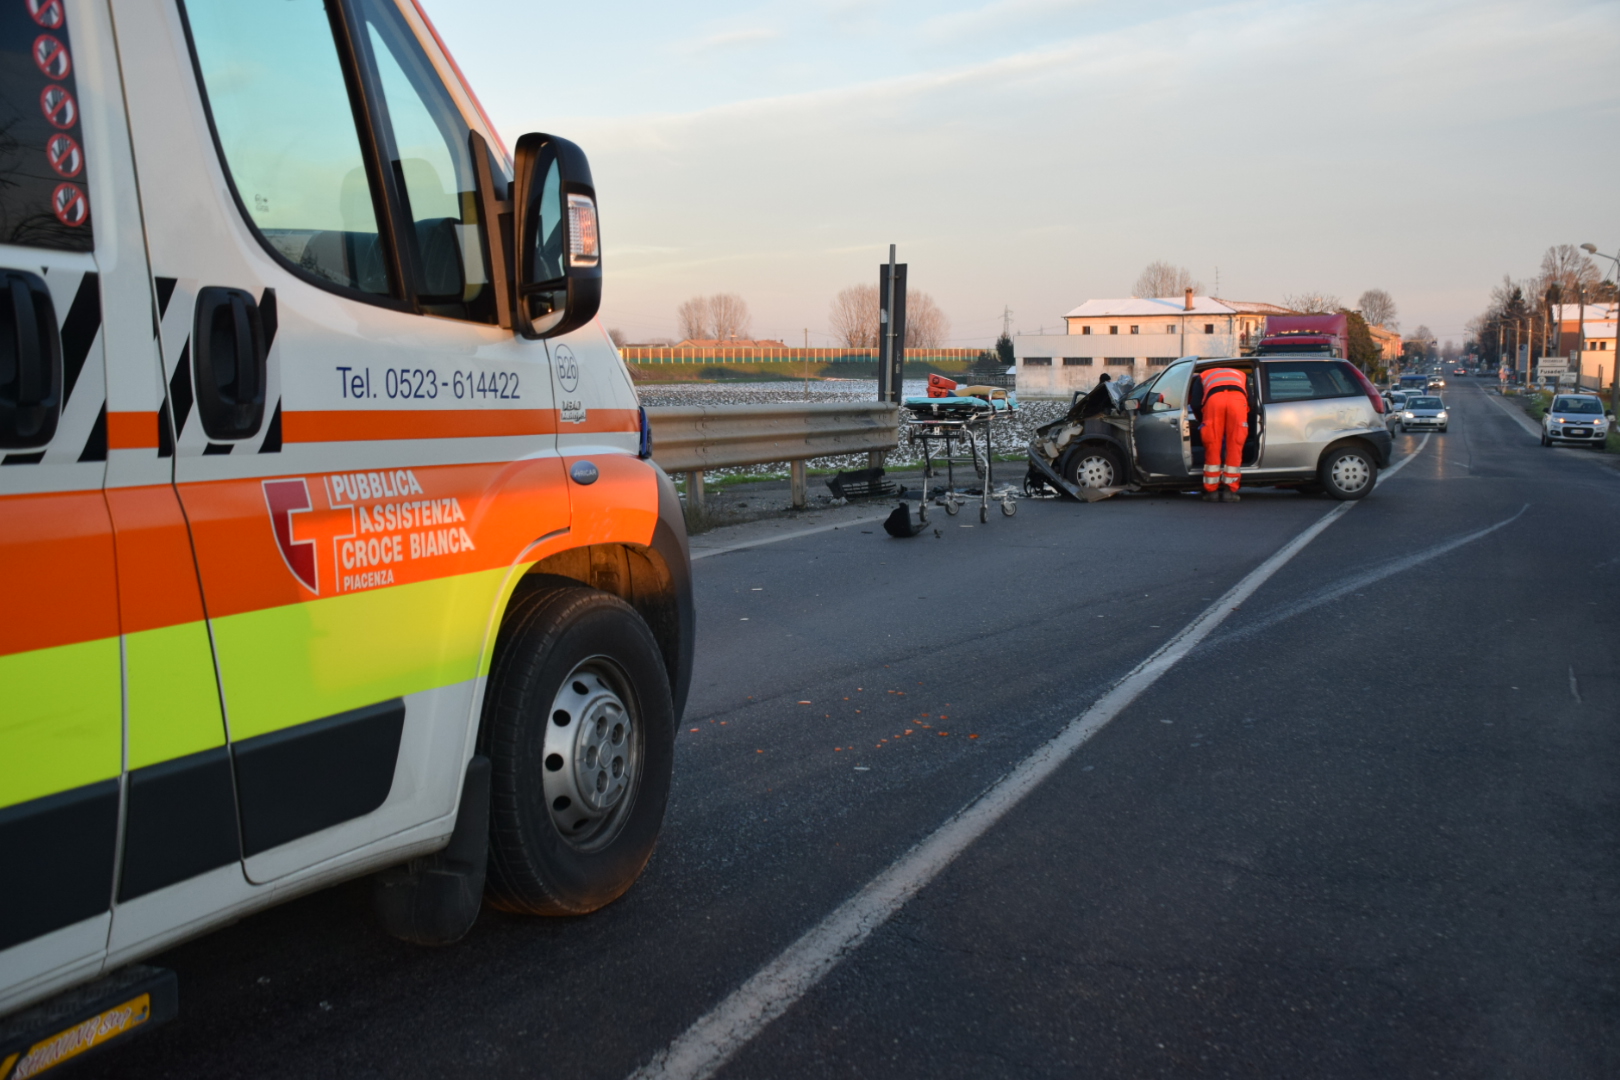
(1315, 425)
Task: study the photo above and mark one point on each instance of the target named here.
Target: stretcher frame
(975, 432)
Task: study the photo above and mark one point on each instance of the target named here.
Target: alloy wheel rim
(593, 754)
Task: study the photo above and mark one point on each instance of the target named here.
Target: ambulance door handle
(30, 362)
(229, 356)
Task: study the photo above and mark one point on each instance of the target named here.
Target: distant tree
(719, 317)
(854, 317)
(1364, 351)
(855, 322)
(693, 316)
(730, 314)
(1160, 278)
(1312, 303)
(616, 336)
(1004, 350)
(926, 325)
(1568, 267)
(1378, 308)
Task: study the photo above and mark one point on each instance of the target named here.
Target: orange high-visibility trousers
(1224, 428)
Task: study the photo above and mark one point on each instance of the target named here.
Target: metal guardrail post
(694, 491)
(799, 484)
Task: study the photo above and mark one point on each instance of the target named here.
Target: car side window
(281, 112)
(44, 200)
(1307, 380)
(1173, 385)
(422, 138)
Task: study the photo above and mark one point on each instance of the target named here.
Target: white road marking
(700, 1051)
(743, 545)
(1360, 581)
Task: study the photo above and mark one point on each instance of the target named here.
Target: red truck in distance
(1328, 335)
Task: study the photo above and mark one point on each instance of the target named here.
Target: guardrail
(693, 438)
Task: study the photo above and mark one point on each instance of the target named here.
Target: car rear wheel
(1348, 472)
(1093, 466)
(579, 729)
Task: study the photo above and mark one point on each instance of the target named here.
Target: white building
(1135, 337)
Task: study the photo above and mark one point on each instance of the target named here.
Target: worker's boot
(1212, 496)
(1228, 495)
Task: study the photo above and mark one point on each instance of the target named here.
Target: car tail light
(1373, 395)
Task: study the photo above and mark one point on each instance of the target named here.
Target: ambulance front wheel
(579, 729)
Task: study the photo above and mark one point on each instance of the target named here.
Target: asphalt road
(1367, 828)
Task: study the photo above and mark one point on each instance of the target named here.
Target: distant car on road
(1577, 419)
(1437, 382)
(1424, 412)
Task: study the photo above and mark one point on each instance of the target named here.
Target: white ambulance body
(329, 542)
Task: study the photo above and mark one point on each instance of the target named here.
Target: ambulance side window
(423, 141)
(281, 111)
(44, 200)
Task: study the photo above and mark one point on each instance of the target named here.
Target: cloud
(1340, 146)
(733, 39)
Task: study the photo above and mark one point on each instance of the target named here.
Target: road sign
(1550, 364)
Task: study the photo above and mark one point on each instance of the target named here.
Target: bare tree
(926, 325)
(1164, 279)
(1421, 334)
(1312, 303)
(616, 336)
(855, 322)
(729, 314)
(1378, 308)
(695, 319)
(1568, 267)
(722, 317)
(854, 317)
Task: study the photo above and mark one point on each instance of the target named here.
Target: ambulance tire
(559, 641)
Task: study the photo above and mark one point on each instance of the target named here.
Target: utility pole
(1006, 321)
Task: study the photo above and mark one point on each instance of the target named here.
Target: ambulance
(330, 542)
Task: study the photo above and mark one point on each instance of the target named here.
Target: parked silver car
(1424, 412)
(1315, 424)
(1576, 419)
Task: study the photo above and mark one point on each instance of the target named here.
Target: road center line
(1356, 582)
(700, 1051)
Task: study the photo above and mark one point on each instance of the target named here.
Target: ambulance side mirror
(558, 284)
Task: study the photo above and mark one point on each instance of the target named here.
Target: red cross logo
(301, 528)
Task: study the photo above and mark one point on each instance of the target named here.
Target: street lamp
(1614, 377)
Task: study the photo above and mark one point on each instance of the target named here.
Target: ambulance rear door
(362, 453)
(61, 740)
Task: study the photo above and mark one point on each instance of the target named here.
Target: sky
(1028, 155)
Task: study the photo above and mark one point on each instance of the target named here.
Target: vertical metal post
(886, 392)
(799, 484)
(694, 491)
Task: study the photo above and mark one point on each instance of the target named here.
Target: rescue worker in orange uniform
(1220, 398)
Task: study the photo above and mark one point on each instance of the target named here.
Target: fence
(693, 438)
